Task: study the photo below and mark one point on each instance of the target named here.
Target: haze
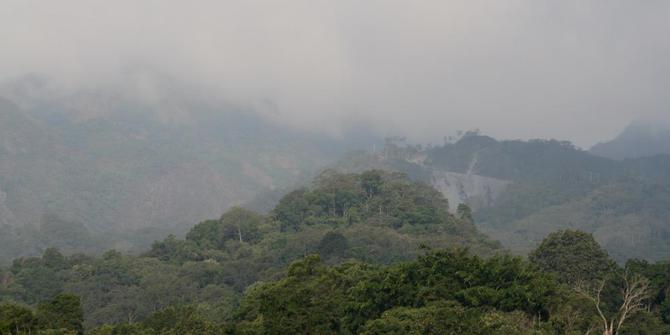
(575, 70)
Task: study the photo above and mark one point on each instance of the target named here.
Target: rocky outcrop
(475, 190)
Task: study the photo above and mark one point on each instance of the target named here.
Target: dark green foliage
(310, 300)
(502, 282)
(446, 291)
(16, 319)
(64, 311)
(349, 198)
(187, 320)
(446, 318)
(53, 259)
(40, 278)
(377, 217)
(646, 323)
(175, 250)
(236, 224)
(436, 319)
(374, 203)
(371, 182)
(573, 256)
(333, 244)
(120, 329)
(291, 210)
(206, 234)
(659, 277)
(242, 225)
(441, 292)
(377, 254)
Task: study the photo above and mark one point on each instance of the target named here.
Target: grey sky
(569, 69)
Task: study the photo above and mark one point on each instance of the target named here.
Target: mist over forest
(334, 167)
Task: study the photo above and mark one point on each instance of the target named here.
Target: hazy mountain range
(522, 190)
(104, 168)
(109, 169)
(642, 138)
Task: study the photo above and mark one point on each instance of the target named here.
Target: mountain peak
(641, 138)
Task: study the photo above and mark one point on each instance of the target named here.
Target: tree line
(369, 253)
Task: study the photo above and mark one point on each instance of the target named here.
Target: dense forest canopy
(447, 291)
(376, 217)
(368, 253)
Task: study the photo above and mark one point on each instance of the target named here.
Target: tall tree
(573, 256)
(634, 293)
(62, 312)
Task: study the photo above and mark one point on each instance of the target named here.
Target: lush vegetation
(448, 291)
(542, 186)
(557, 186)
(61, 315)
(369, 253)
(375, 217)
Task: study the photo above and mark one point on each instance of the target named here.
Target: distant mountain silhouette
(642, 138)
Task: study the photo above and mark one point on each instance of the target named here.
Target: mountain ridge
(527, 187)
(111, 162)
(641, 138)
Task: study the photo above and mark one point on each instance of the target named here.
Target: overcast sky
(570, 69)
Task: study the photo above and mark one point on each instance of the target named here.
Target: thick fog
(575, 69)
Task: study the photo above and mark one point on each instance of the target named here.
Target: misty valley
(319, 167)
(471, 236)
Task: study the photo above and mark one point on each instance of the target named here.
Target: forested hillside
(106, 168)
(375, 217)
(522, 190)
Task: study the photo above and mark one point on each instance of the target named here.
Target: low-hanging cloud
(574, 69)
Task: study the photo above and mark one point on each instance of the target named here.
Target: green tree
(436, 319)
(573, 256)
(206, 234)
(53, 259)
(241, 225)
(372, 182)
(291, 210)
(333, 244)
(16, 319)
(62, 312)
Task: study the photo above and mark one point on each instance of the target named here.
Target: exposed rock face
(476, 191)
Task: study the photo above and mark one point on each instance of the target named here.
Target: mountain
(522, 190)
(642, 138)
(125, 166)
